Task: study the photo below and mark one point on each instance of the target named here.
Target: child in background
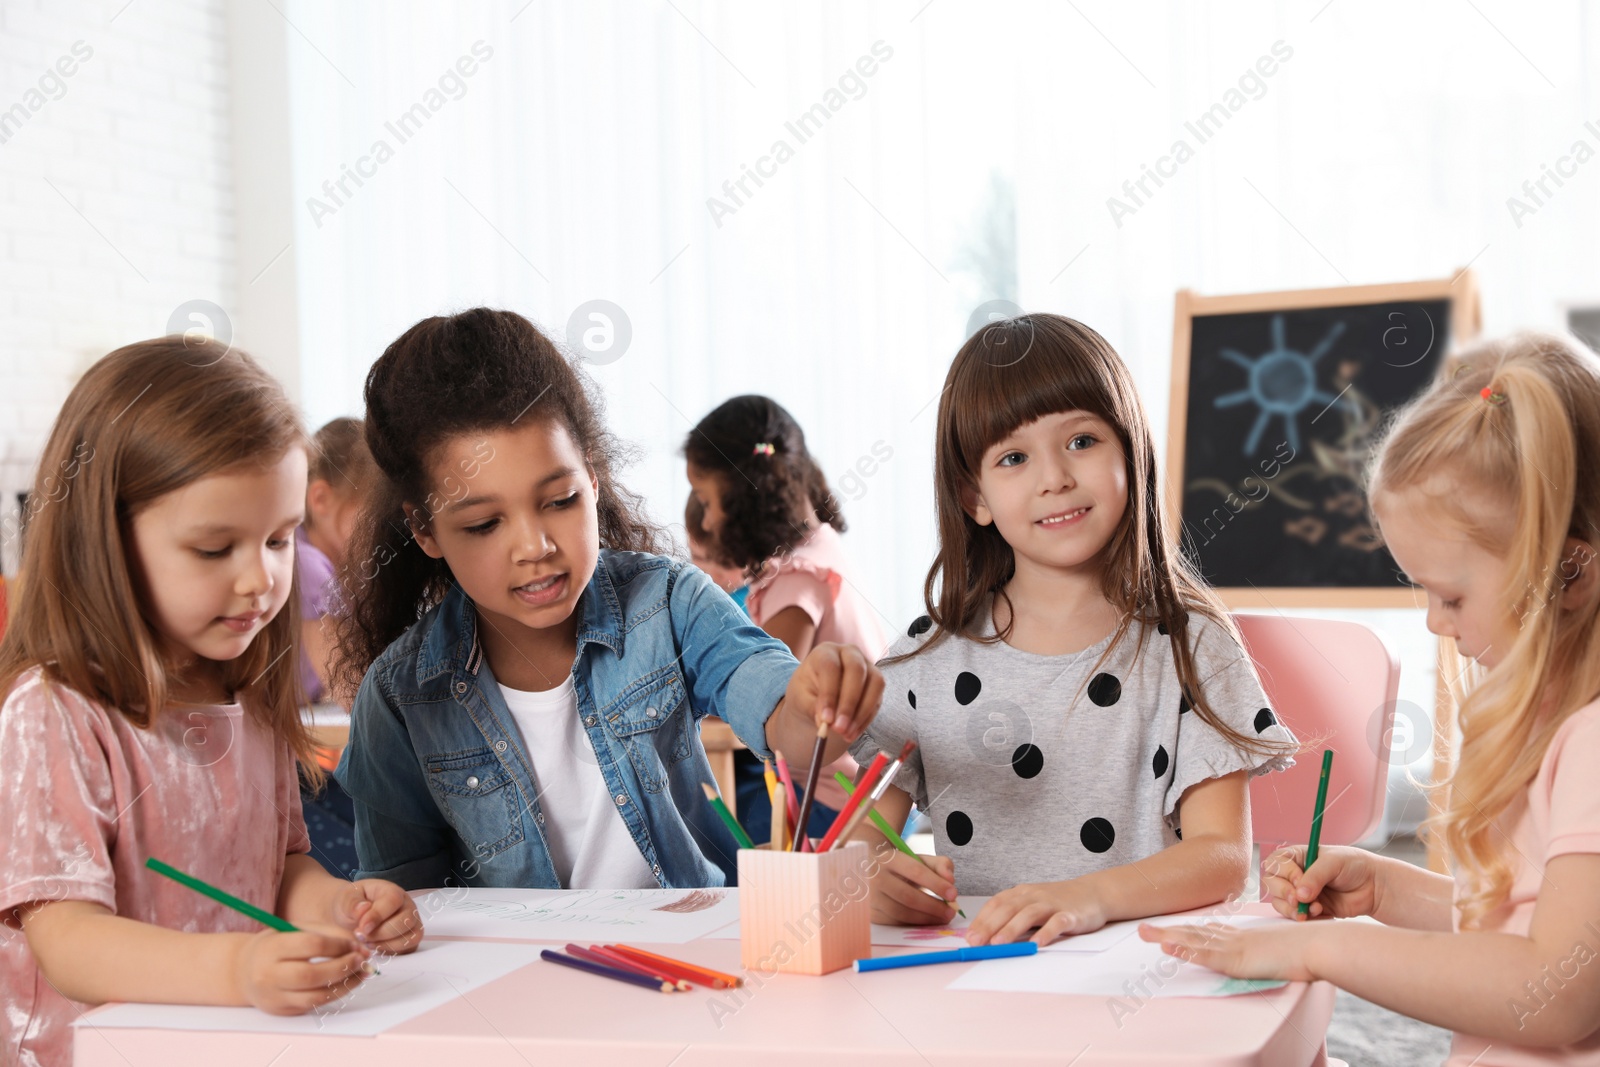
(1086, 717)
(152, 709)
(703, 553)
(1487, 491)
(342, 472)
(534, 672)
(768, 506)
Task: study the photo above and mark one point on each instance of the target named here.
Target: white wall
(116, 201)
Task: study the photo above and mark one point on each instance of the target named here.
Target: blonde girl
(1487, 490)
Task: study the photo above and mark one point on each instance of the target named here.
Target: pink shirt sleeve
(57, 790)
(1574, 800)
(797, 589)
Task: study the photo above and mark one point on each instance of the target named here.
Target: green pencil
(883, 826)
(243, 907)
(1316, 819)
(727, 816)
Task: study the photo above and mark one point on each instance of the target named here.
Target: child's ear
(972, 503)
(1580, 584)
(417, 521)
(319, 497)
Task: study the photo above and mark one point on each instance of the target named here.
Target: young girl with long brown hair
(1087, 720)
(1487, 491)
(152, 710)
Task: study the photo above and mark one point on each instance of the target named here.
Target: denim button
(499, 746)
(622, 798)
(472, 782)
(461, 687)
(656, 868)
(539, 818)
(593, 720)
(649, 713)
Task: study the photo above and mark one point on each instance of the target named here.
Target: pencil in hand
(1316, 820)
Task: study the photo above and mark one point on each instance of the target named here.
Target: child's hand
(837, 685)
(1342, 883)
(1277, 952)
(1056, 908)
(289, 974)
(897, 884)
(380, 914)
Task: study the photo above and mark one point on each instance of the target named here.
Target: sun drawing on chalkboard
(1282, 382)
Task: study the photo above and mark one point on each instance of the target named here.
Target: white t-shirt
(588, 841)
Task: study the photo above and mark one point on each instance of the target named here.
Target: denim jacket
(442, 782)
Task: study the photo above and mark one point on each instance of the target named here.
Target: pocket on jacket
(476, 795)
(651, 721)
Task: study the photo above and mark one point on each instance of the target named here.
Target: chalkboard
(1277, 401)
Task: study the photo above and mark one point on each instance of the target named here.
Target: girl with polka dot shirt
(1487, 490)
(1086, 719)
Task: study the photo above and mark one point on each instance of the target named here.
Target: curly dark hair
(768, 497)
(477, 371)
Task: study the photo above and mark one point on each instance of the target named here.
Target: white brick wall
(138, 144)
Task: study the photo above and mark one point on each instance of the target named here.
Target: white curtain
(974, 162)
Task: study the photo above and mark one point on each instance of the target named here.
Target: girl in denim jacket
(530, 673)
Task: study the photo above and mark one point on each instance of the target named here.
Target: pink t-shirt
(1561, 816)
(815, 577)
(88, 797)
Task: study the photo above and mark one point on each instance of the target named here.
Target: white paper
(435, 974)
(667, 916)
(1130, 968)
(954, 933)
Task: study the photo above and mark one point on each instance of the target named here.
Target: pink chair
(1333, 684)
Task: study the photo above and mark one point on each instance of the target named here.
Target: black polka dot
(1027, 761)
(1161, 628)
(1179, 831)
(911, 695)
(1098, 835)
(967, 687)
(1264, 719)
(919, 626)
(1159, 763)
(958, 828)
(1184, 704)
(1105, 690)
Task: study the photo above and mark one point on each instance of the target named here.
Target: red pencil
(679, 969)
(870, 779)
(596, 954)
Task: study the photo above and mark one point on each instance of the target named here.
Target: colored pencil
(631, 977)
(727, 817)
(803, 819)
(890, 833)
(885, 780)
(694, 972)
(791, 802)
(1316, 819)
(622, 963)
(955, 955)
(868, 780)
(243, 907)
(775, 833)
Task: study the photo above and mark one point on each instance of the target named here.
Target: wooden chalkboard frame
(1465, 325)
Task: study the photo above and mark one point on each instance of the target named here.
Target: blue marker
(955, 955)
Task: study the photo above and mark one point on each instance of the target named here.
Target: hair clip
(763, 448)
(1493, 395)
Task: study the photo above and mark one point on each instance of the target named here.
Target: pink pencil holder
(804, 912)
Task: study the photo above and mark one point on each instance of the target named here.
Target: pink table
(543, 1014)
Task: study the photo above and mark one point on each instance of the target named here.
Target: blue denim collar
(452, 640)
